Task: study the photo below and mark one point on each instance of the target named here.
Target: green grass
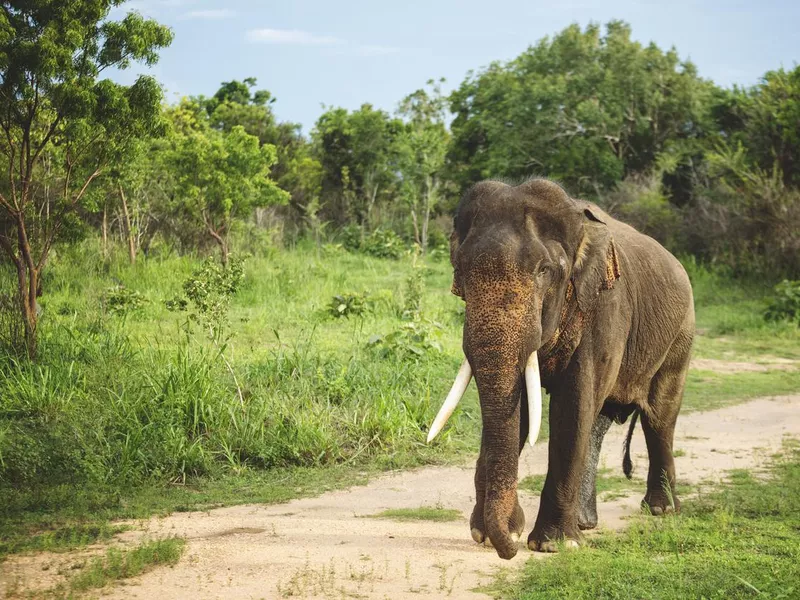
(608, 483)
(128, 415)
(707, 390)
(123, 564)
(423, 513)
(741, 541)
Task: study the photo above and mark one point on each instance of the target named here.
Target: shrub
(381, 243)
(410, 342)
(120, 300)
(785, 304)
(348, 305)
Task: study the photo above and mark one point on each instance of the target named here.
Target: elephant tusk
(452, 400)
(533, 384)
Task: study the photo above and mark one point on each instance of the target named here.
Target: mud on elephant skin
(556, 290)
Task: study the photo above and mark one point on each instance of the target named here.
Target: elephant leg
(572, 415)
(587, 515)
(476, 522)
(658, 423)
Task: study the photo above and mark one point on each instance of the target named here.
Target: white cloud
(291, 36)
(298, 37)
(210, 14)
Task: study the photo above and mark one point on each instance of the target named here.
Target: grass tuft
(123, 564)
(423, 513)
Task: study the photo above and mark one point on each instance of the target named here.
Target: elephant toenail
(515, 537)
(657, 510)
(477, 535)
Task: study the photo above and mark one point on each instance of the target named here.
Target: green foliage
(352, 304)
(355, 151)
(215, 176)
(120, 300)
(410, 342)
(208, 293)
(785, 303)
(583, 107)
(739, 541)
(421, 149)
(381, 243)
(64, 125)
(412, 295)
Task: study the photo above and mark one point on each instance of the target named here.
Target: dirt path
(327, 547)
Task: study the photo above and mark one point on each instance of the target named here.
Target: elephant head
(520, 255)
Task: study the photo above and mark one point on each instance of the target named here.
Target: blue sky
(347, 52)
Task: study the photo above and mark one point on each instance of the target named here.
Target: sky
(315, 53)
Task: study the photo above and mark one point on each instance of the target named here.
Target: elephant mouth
(533, 385)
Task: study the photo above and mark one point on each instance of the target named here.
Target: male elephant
(560, 294)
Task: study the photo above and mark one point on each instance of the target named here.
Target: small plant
(411, 341)
(412, 298)
(209, 291)
(381, 243)
(785, 303)
(351, 304)
(120, 300)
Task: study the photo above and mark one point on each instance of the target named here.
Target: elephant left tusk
(452, 400)
(533, 385)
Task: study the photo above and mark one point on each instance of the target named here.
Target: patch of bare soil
(324, 547)
(728, 367)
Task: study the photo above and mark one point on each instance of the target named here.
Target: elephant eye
(544, 270)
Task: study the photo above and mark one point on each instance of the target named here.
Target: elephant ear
(455, 289)
(596, 266)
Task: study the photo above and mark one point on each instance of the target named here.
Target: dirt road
(329, 547)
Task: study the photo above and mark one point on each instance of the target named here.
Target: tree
(356, 152)
(53, 102)
(217, 175)
(582, 107)
(766, 121)
(422, 149)
(236, 103)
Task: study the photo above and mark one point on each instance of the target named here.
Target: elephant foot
(554, 539)
(660, 503)
(516, 525)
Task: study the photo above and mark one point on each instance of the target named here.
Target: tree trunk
(105, 230)
(128, 228)
(427, 218)
(416, 226)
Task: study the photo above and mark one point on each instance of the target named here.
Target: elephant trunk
(500, 389)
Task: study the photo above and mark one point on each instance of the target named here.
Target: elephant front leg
(476, 522)
(587, 515)
(571, 419)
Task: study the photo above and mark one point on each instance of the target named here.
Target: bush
(381, 243)
(120, 300)
(785, 304)
(349, 305)
(410, 342)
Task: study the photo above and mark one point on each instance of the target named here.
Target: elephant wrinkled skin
(609, 312)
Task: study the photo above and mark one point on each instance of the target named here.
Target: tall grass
(118, 399)
(127, 395)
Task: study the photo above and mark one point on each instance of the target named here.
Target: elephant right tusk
(452, 400)
(533, 385)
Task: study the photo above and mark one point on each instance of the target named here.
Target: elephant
(560, 295)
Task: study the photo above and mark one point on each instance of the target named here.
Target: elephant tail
(627, 465)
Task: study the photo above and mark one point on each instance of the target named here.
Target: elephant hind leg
(658, 424)
(587, 497)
